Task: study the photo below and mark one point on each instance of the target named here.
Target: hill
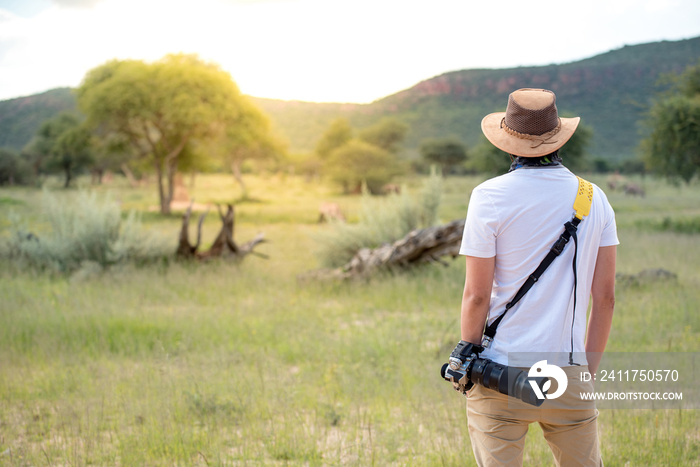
(611, 92)
(20, 118)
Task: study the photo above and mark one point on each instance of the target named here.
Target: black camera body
(465, 368)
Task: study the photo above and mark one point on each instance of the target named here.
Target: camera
(465, 368)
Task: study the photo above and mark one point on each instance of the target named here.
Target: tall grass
(238, 364)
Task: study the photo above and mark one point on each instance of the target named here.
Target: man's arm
(603, 304)
(476, 297)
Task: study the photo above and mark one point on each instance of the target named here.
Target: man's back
(516, 218)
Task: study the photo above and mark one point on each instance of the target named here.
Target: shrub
(88, 233)
(382, 220)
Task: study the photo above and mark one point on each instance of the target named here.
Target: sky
(322, 50)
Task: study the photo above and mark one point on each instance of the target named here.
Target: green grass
(242, 364)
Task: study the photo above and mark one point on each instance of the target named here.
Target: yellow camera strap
(582, 207)
(584, 199)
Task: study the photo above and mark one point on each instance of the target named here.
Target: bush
(382, 220)
(88, 233)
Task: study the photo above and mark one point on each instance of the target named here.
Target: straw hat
(530, 126)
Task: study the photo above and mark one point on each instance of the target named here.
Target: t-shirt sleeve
(481, 227)
(609, 235)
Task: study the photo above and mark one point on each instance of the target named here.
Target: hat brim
(491, 127)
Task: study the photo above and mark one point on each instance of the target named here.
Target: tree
(370, 158)
(574, 152)
(73, 150)
(359, 162)
(160, 107)
(487, 158)
(62, 143)
(388, 134)
(447, 153)
(307, 164)
(14, 170)
(110, 152)
(248, 137)
(338, 134)
(673, 146)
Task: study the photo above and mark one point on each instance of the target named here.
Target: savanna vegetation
(223, 363)
(112, 352)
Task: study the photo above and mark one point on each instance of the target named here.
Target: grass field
(242, 364)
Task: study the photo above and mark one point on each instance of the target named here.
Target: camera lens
(443, 369)
(506, 380)
(522, 389)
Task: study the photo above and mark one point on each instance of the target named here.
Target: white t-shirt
(517, 217)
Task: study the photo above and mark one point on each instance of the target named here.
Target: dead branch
(224, 245)
(420, 246)
(184, 248)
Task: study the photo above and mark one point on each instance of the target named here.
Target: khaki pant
(498, 425)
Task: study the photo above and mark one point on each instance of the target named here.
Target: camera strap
(582, 207)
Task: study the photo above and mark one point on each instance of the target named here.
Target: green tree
(110, 152)
(688, 82)
(73, 151)
(575, 151)
(487, 158)
(388, 134)
(447, 153)
(248, 137)
(14, 169)
(359, 162)
(307, 164)
(673, 146)
(63, 144)
(160, 107)
(338, 134)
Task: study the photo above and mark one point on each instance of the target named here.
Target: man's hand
(464, 351)
(457, 369)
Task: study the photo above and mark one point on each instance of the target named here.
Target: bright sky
(322, 50)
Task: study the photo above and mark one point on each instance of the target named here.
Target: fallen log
(224, 245)
(420, 246)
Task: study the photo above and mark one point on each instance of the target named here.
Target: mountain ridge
(610, 92)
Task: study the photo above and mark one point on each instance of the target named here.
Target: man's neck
(552, 160)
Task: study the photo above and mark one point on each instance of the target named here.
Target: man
(512, 222)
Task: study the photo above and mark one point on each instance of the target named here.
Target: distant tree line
(182, 114)
(371, 156)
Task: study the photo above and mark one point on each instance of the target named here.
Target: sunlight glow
(322, 50)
